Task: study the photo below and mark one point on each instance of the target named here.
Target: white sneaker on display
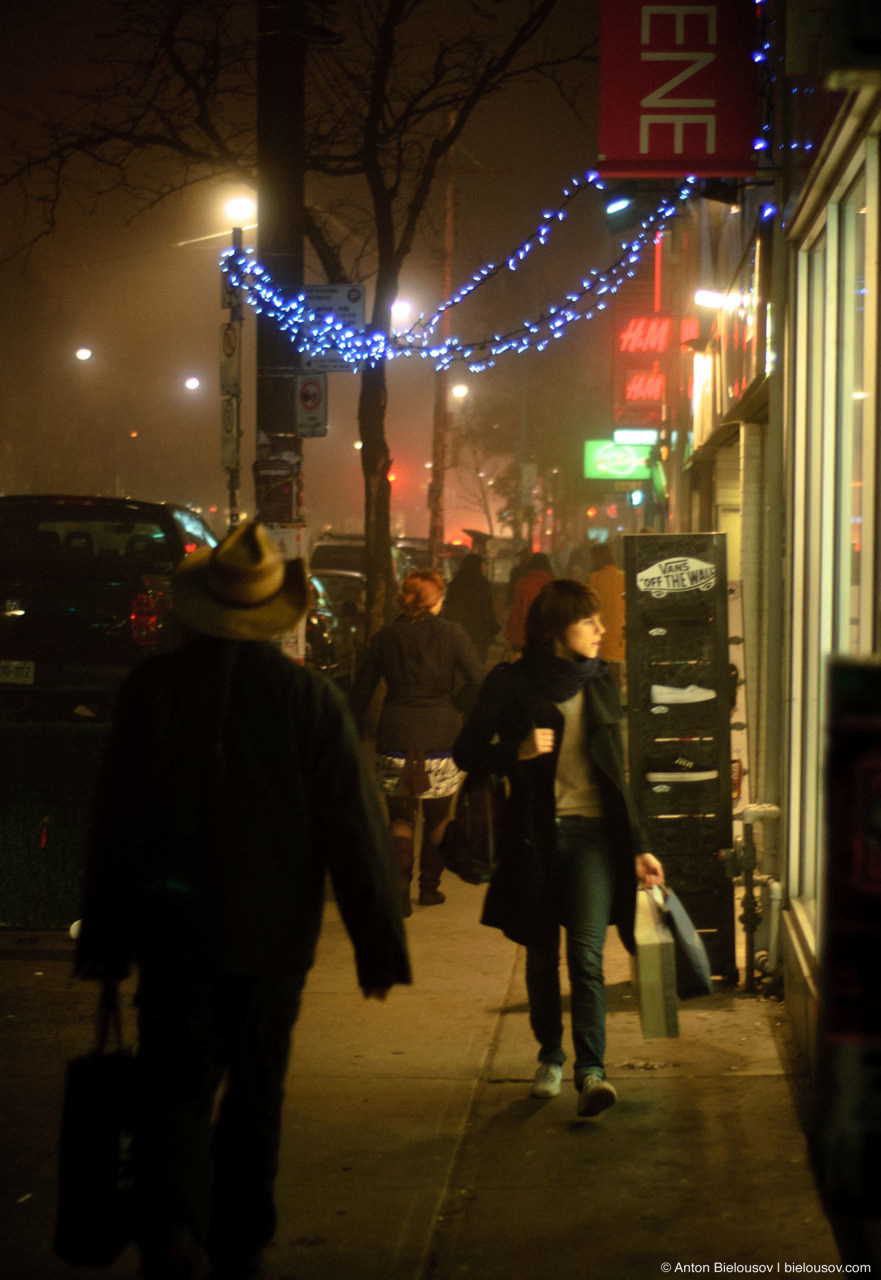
(683, 775)
(691, 693)
(547, 1080)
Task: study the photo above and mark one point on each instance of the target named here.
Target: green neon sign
(606, 460)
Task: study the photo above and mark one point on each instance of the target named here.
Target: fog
(142, 292)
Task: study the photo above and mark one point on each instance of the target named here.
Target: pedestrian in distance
(431, 673)
(571, 849)
(538, 572)
(469, 601)
(607, 581)
(518, 568)
(233, 783)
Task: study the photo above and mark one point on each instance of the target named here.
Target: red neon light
(645, 333)
(658, 265)
(645, 386)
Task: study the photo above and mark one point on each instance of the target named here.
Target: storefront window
(852, 393)
(813, 517)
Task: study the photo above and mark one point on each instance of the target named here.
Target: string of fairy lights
(318, 334)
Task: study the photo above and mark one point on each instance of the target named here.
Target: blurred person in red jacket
(538, 572)
(606, 580)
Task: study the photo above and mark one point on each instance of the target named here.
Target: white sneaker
(596, 1095)
(682, 775)
(691, 693)
(547, 1080)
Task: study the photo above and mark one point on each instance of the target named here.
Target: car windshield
(340, 555)
(342, 587)
(68, 534)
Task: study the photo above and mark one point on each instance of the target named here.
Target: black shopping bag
(95, 1215)
(469, 845)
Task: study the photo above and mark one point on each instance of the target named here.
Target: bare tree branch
(390, 90)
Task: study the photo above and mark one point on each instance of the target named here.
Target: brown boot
(404, 851)
(431, 897)
(431, 866)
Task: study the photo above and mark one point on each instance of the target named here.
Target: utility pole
(441, 423)
(281, 163)
(231, 388)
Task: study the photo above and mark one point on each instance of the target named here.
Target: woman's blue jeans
(583, 878)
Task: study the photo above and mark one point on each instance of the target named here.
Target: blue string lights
(316, 335)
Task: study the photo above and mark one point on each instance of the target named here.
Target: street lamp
(239, 210)
(401, 312)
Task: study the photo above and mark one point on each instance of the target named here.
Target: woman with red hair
(432, 674)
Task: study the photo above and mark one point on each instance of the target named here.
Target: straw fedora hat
(242, 589)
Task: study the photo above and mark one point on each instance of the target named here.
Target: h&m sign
(678, 93)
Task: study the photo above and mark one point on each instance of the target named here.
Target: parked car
(339, 551)
(85, 584)
(321, 631)
(346, 593)
(413, 553)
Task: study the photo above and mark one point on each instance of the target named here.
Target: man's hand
(540, 742)
(375, 993)
(649, 870)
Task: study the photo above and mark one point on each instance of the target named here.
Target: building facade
(782, 436)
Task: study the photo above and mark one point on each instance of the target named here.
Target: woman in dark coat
(430, 669)
(469, 602)
(571, 847)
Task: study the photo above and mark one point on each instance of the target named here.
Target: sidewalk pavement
(413, 1151)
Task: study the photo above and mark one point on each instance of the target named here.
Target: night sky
(148, 305)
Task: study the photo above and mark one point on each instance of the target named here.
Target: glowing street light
(192, 384)
(239, 209)
(401, 312)
(83, 353)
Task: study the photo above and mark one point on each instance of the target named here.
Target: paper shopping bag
(653, 969)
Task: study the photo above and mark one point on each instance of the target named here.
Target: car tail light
(144, 620)
(149, 609)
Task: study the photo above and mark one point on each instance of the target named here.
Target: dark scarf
(559, 679)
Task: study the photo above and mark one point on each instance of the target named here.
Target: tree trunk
(375, 462)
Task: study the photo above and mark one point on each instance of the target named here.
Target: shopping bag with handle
(95, 1213)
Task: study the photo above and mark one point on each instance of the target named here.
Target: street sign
(345, 302)
(231, 358)
(229, 433)
(293, 541)
(311, 404)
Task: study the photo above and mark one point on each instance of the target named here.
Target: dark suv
(84, 595)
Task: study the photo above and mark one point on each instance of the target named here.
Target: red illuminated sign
(677, 89)
(646, 386)
(645, 333)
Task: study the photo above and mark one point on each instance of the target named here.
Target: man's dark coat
(233, 785)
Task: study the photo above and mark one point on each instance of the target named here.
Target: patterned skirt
(423, 775)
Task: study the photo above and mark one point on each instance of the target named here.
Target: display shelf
(679, 719)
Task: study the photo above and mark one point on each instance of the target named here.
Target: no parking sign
(311, 404)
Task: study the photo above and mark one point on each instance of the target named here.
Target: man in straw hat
(233, 782)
